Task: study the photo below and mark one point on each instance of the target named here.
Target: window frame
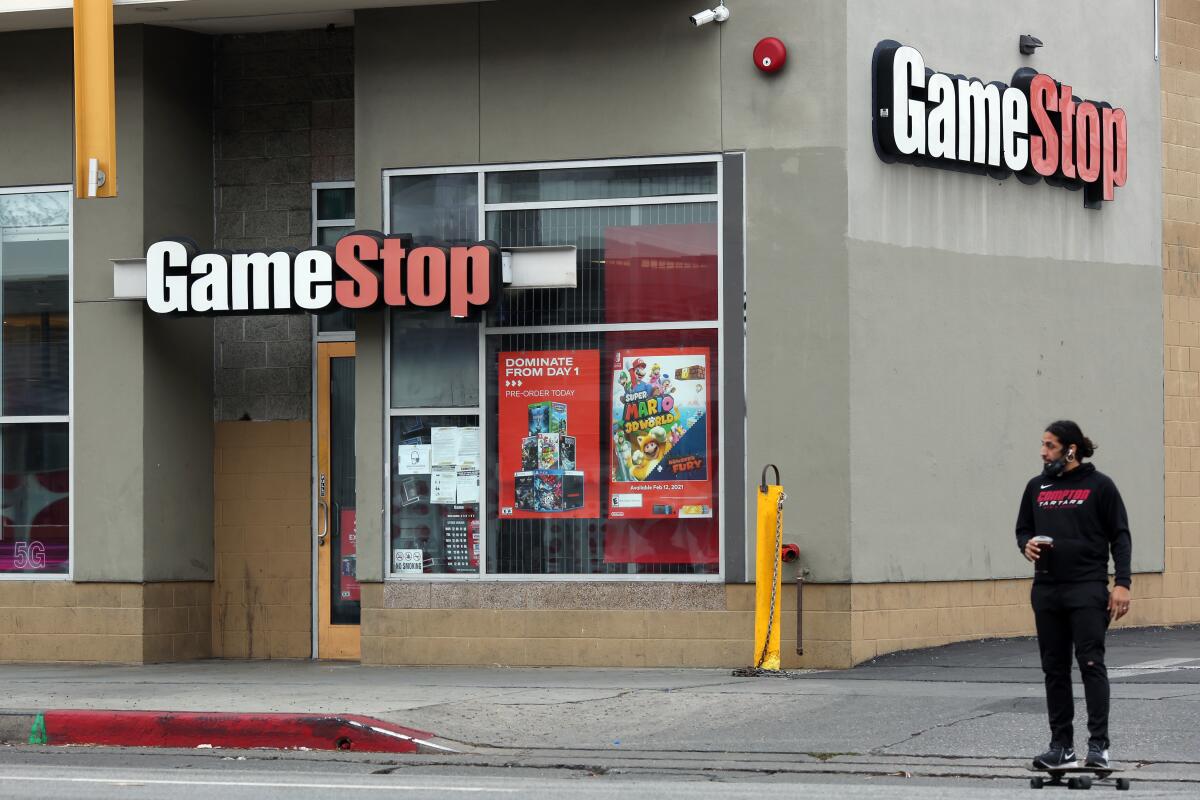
(317, 222)
(317, 225)
(485, 330)
(69, 417)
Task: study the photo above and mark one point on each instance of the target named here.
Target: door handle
(323, 531)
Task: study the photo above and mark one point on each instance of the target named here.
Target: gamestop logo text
(1035, 128)
(365, 270)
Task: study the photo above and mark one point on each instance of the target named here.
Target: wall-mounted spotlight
(1028, 44)
(718, 14)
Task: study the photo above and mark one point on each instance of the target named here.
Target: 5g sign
(29, 555)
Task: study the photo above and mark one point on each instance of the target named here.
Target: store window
(35, 297)
(333, 218)
(600, 415)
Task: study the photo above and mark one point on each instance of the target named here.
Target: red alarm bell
(770, 54)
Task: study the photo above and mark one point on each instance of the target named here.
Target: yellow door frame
(341, 642)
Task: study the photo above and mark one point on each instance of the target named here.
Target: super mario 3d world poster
(660, 434)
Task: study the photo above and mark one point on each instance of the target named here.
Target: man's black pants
(1073, 615)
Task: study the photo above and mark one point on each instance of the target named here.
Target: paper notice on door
(468, 485)
(445, 446)
(443, 486)
(412, 459)
(468, 447)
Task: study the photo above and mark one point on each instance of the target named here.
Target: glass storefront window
(600, 183)
(435, 361)
(35, 359)
(434, 494)
(439, 208)
(335, 202)
(601, 412)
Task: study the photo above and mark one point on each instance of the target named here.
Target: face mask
(1056, 467)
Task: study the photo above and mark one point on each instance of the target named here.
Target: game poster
(660, 434)
(549, 434)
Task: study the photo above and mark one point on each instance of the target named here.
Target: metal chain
(774, 578)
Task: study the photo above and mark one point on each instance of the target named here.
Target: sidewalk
(977, 703)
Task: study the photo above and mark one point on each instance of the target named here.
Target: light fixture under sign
(540, 267)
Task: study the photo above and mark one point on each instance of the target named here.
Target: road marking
(1152, 667)
(253, 784)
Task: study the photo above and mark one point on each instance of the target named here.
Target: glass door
(338, 593)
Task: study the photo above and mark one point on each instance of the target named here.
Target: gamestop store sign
(365, 270)
(1035, 128)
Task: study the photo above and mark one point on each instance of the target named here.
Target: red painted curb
(183, 729)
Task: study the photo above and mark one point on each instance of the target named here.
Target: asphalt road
(182, 776)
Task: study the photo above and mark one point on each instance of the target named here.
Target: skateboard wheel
(1123, 784)
(1036, 783)
(1084, 782)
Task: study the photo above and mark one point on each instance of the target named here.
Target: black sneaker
(1097, 756)
(1057, 757)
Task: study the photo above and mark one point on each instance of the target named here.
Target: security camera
(718, 14)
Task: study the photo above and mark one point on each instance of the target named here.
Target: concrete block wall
(284, 119)
(1179, 27)
(262, 596)
(127, 623)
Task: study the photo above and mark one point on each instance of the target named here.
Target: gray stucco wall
(136, 387)
(797, 345)
(177, 354)
(108, 378)
(980, 310)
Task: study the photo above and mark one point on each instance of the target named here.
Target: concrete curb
(200, 729)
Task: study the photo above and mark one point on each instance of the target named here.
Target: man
(1081, 512)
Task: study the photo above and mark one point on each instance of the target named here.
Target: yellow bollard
(767, 592)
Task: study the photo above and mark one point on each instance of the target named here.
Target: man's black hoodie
(1083, 511)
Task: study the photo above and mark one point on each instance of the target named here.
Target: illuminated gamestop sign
(1035, 128)
(365, 270)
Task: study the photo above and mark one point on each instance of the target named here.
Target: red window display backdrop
(660, 273)
(665, 273)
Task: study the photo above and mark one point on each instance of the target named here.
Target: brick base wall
(579, 624)
(123, 623)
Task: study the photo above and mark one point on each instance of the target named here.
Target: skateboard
(1076, 777)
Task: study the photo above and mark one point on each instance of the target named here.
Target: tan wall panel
(262, 596)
